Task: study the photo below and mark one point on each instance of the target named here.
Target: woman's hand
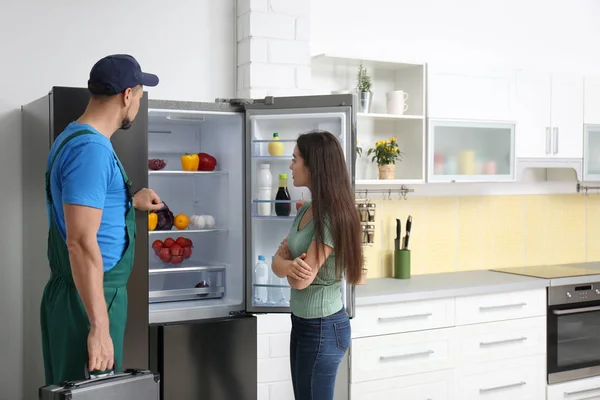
(299, 269)
(284, 250)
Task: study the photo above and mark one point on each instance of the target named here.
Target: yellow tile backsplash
(482, 232)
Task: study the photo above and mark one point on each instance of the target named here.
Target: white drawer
(382, 319)
(500, 306)
(517, 379)
(503, 340)
(437, 385)
(389, 356)
(581, 389)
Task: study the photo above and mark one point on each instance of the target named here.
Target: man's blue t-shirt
(86, 173)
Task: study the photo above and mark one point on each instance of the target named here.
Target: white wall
(189, 44)
(551, 33)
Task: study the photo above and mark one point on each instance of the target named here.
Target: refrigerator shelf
(286, 158)
(276, 201)
(193, 173)
(182, 294)
(271, 286)
(174, 270)
(186, 231)
(273, 217)
(269, 141)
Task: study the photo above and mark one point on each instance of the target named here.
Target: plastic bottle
(275, 292)
(283, 209)
(276, 147)
(265, 183)
(261, 277)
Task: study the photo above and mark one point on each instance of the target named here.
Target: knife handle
(398, 228)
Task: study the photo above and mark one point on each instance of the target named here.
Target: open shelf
(273, 217)
(385, 183)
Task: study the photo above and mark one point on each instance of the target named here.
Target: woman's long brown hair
(332, 196)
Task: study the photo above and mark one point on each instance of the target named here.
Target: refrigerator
(192, 319)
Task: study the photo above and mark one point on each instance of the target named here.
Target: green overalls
(65, 325)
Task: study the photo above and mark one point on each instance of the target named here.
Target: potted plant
(386, 152)
(363, 86)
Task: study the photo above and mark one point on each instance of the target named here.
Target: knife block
(402, 264)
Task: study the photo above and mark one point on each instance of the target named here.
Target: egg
(198, 221)
(210, 221)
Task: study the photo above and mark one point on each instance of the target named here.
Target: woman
(320, 326)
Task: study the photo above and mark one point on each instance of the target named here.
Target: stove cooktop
(550, 271)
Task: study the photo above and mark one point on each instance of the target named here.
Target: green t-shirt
(323, 296)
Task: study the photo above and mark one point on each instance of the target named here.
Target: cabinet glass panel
(591, 161)
(462, 151)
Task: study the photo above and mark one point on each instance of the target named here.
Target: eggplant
(165, 218)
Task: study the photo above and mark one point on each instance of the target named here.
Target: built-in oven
(573, 336)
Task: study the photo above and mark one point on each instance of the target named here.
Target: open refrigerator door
(196, 246)
(272, 127)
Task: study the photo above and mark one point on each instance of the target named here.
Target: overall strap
(128, 183)
(56, 152)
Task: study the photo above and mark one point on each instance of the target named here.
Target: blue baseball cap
(115, 73)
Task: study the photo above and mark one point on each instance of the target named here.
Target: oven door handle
(576, 310)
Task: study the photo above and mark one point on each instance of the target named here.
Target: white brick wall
(273, 59)
(273, 47)
(274, 381)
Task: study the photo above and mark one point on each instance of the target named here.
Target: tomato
(168, 242)
(189, 243)
(207, 162)
(164, 255)
(176, 259)
(187, 252)
(157, 245)
(176, 250)
(181, 241)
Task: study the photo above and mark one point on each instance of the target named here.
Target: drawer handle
(482, 344)
(408, 355)
(581, 391)
(491, 308)
(493, 389)
(402, 317)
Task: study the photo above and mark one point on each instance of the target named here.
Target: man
(92, 228)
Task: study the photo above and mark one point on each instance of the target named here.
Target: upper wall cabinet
(591, 118)
(471, 92)
(550, 115)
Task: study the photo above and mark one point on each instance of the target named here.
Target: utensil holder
(402, 264)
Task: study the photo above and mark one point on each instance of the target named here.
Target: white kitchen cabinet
(439, 385)
(550, 115)
(470, 151)
(471, 92)
(388, 356)
(522, 379)
(500, 306)
(581, 389)
(591, 138)
(383, 319)
(591, 99)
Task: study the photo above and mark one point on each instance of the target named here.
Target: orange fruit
(181, 221)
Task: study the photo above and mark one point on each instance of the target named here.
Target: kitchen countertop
(435, 286)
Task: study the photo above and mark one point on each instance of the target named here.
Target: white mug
(396, 102)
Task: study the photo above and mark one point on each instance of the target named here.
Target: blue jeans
(317, 347)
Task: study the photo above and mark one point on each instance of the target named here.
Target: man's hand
(100, 349)
(147, 200)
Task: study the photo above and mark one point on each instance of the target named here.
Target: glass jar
(371, 212)
(363, 212)
(365, 235)
(370, 229)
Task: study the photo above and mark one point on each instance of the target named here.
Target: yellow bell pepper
(152, 221)
(190, 162)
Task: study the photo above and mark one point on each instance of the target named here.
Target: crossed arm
(301, 271)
